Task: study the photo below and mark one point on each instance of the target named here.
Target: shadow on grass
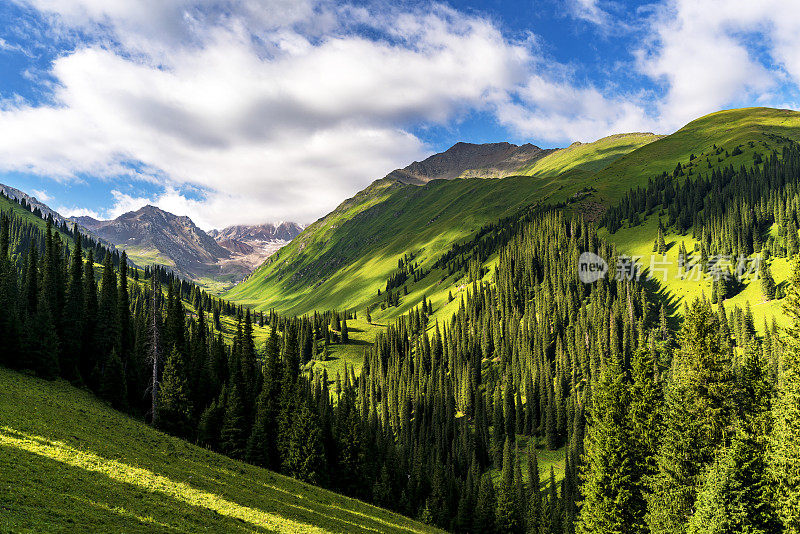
(74, 499)
(162, 503)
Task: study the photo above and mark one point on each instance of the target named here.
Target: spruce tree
(700, 413)
(73, 313)
(784, 455)
(612, 502)
(484, 519)
(508, 516)
(175, 406)
(233, 434)
(305, 456)
(113, 387)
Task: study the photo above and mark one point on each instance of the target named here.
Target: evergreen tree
(113, 387)
(484, 519)
(784, 457)
(305, 455)
(508, 516)
(233, 434)
(612, 502)
(700, 409)
(175, 406)
(73, 313)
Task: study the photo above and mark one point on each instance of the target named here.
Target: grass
(726, 129)
(146, 256)
(545, 457)
(588, 158)
(680, 290)
(350, 355)
(69, 463)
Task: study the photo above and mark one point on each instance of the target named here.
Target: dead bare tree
(155, 343)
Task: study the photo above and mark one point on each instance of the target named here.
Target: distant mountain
(285, 231)
(252, 244)
(468, 160)
(151, 235)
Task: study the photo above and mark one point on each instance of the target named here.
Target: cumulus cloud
(279, 109)
(272, 121)
(42, 195)
(720, 53)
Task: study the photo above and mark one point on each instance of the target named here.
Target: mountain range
(151, 235)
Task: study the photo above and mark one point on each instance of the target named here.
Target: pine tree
(108, 329)
(89, 349)
(233, 434)
(784, 456)
(767, 282)
(305, 455)
(484, 519)
(736, 495)
(9, 298)
(700, 412)
(113, 387)
(508, 516)
(612, 503)
(175, 406)
(73, 314)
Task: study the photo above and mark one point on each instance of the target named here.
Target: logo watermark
(591, 267)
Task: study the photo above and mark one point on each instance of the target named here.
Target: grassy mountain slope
(348, 257)
(725, 129)
(70, 463)
(588, 158)
(344, 258)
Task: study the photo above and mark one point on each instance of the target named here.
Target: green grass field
(725, 129)
(588, 158)
(684, 287)
(69, 463)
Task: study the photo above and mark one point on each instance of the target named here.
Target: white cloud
(42, 195)
(721, 53)
(589, 10)
(262, 115)
(74, 211)
(279, 109)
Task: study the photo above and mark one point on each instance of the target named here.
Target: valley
(434, 319)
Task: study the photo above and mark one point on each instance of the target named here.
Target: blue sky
(260, 110)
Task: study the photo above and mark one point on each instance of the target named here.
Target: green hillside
(765, 127)
(343, 259)
(70, 463)
(588, 158)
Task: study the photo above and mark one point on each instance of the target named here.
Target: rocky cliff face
(468, 160)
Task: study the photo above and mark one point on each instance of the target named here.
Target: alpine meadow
(341, 267)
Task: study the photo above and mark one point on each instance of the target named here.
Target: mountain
(70, 462)
(345, 258)
(468, 160)
(258, 233)
(153, 236)
(250, 245)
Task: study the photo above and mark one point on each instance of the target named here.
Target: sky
(251, 111)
